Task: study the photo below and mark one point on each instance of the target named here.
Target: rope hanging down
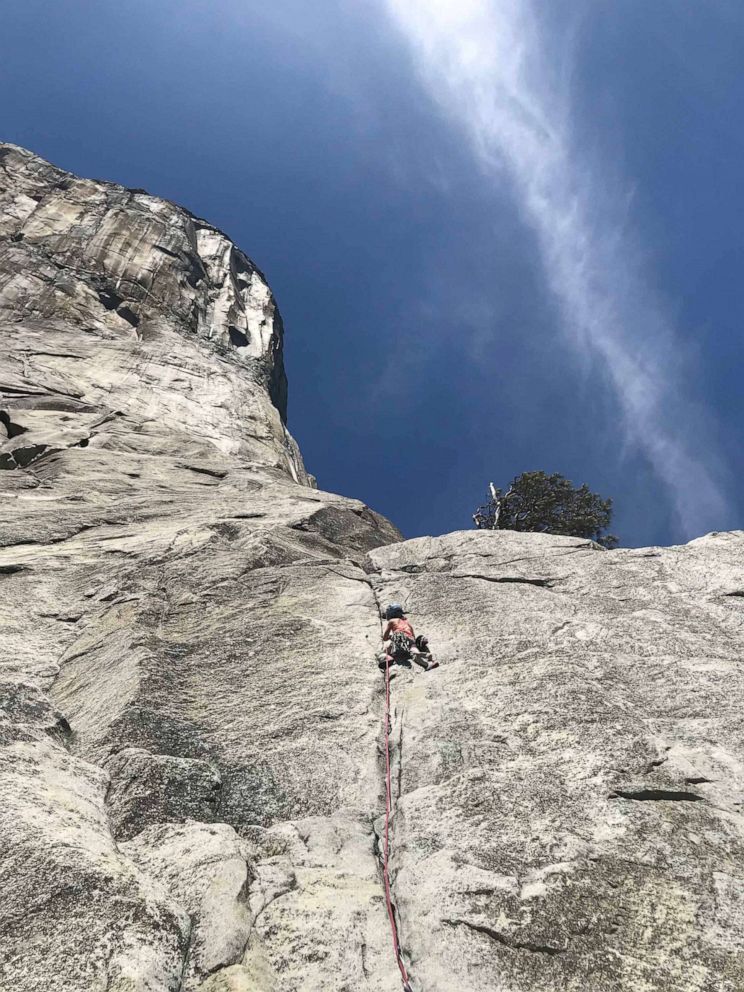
(386, 846)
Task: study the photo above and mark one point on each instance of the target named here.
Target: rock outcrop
(191, 776)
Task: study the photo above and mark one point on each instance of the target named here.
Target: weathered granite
(203, 868)
(151, 788)
(191, 774)
(75, 912)
(174, 586)
(570, 781)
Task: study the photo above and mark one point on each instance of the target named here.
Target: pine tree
(549, 504)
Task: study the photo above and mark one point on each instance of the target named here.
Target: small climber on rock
(401, 644)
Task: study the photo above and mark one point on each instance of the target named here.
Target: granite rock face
(570, 781)
(182, 610)
(191, 773)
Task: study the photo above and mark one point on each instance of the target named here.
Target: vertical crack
(388, 886)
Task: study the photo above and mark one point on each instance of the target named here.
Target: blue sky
(501, 239)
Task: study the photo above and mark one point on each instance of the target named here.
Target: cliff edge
(191, 772)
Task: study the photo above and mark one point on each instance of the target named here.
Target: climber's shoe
(432, 664)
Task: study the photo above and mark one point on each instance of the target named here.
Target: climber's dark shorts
(399, 649)
(400, 646)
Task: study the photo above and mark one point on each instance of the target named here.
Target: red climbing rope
(386, 847)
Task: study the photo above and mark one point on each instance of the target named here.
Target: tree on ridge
(549, 504)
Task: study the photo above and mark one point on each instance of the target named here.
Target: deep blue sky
(424, 347)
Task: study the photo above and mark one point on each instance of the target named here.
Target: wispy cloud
(486, 62)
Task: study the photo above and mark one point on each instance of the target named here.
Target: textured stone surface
(191, 774)
(181, 607)
(75, 913)
(317, 904)
(203, 868)
(158, 788)
(569, 796)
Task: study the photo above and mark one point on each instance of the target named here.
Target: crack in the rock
(15, 391)
(351, 578)
(291, 887)
(363, 949)
(298, 563)
(26, 456)
(186, 953)
(11, 429)
(50, 354)
(656, 795)
(246, 516)
(166, 251)
(399, 758)
(13, 569)
(378, 843)
(500, 938)
(215, 473)
(418, 568)
(58, 540)
(518, 580)
(560, 627)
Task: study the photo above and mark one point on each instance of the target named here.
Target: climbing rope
(386, 846)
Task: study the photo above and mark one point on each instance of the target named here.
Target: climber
(401, 644)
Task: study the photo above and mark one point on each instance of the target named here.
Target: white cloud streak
(486, 64)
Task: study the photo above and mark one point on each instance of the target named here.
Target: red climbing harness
(386, 848)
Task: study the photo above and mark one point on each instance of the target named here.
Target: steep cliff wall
(191, 777)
